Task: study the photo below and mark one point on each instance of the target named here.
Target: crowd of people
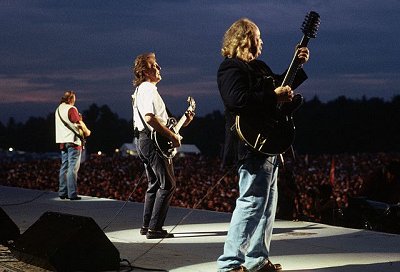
(245, 182)
(310, 188)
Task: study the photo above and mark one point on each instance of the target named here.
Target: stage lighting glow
(315, 240)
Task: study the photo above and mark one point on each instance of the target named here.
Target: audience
(312, 188)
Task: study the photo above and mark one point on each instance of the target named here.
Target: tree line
(342, 125)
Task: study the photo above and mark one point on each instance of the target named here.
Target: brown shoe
(270, 267)
(239, 269)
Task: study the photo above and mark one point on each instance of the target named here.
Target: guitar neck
(295, 64)
(180, 124)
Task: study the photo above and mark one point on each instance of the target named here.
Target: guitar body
(82, 136)
(83, 131)
(163, 144)
(273, 136)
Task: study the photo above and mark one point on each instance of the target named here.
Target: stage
(199, 237)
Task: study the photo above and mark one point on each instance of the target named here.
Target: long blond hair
(239, 40)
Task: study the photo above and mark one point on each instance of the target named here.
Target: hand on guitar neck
(303, 54)
(174, 135)
(285, 93)
(189, 115)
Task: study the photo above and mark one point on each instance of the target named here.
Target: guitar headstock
(311, 24)
(192, 104)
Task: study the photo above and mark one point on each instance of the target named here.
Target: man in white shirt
(150, 113)
(70, 130)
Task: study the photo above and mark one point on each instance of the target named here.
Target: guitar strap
(70, 128)
(134, 106)
(168, 112)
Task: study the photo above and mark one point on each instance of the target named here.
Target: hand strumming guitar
(157, 125)
(175, 139)
(284, 94)
(167, 139)
(86, 132)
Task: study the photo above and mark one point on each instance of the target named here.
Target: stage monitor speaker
(66, 242)
(9, 231)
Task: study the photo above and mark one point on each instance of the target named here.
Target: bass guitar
(276, 135)
(163, 144)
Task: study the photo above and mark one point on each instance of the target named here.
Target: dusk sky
(89, 46)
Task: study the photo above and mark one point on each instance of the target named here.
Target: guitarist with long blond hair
(249, 88)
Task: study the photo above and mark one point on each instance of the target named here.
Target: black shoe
(158, 234)
(144, 230)
(62, 197)
(75, 198)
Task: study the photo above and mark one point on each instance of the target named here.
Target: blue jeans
(70, 162)
(250, 230)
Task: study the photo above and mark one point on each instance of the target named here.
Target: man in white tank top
(70, 130)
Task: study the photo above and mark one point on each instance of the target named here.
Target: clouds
(50, 46)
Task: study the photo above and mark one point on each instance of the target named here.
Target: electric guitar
(163, 144)
(276, 135)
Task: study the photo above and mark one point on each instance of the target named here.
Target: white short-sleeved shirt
(146, 99)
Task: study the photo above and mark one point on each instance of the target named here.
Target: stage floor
(200, 235)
